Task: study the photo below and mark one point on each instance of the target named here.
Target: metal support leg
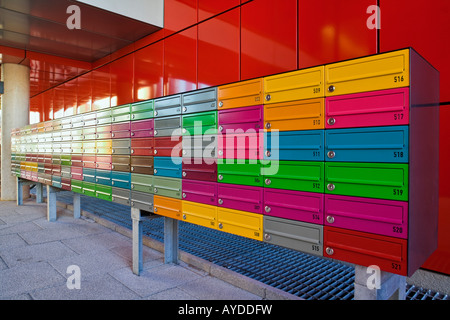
(137, 240)
(51, 203)
(19, 191)
(170, 240)
(39, 193)
(374, 284)
(76, 205)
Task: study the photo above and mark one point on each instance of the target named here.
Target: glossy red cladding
(180, 62)
(47, 102)
(218, 56)
(179, 14)
(122, 80)
(71, 97)
(331, 31)
(149, 72)
(208, 8)
(269, 37)
(84, 93)
(101, 88)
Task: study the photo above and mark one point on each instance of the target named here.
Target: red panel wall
(122, 80)
(149, 72)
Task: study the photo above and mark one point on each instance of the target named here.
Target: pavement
(91, 259)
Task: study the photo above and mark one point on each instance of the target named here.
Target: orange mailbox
(241, 94)
(167, 207)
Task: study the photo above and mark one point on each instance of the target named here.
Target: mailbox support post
(137, 240)
(51, 203)
(374, 284)
(19, 189)
(76, 205)
(170, 240)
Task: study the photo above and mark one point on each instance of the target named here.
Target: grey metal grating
(303, 275)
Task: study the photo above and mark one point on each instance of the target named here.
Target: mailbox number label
(316, 185)
(316, 90)
(316, 122)
(397, 229)
(398, 116)
(396, 266)
(315, 247)
(399, 78)
(397, 192)
(398, 154)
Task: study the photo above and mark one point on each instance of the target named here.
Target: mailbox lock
(184, 109)
(330, 186)
(331, 154)
(220, 177)
(156, 132)
(184, 130)
(132, 186)
(132, 134)
(184, 173)
(155, 209)
(331, 88)
(329, 251)
(330, 219)
(268, 182)
(156, 113)
(132, 150)
(132, 203)
(132, 168)
(184, 217)
(184, 195)
(220, 103)
(268, 153)
(155, 152)
(268, 125)
(220, 225)
(267, 209)
(155, 190)
(267, 237)
(268, 97)
(220, 152)
(220, 128)
(132, 116)
(113, 135)
(331, 121)
(155, 171)
(220, 201)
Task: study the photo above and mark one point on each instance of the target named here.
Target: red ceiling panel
(148, 72)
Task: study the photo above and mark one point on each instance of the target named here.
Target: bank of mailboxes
(339, 160)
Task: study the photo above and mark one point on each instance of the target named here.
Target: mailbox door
(294, 205)
(168, 146)
(88, 189)
(142, 200)
(300, 236)
(120, 163)
(167, 187)
(168, 167)
(89, 147)
(199, 101)
(199, 214)
(167, 207)
(372, 180)
(89, 133)
(199, 191)
(199, 169)
(142, 146)
(248, 145)
(89, 175)
(103, 177)
(199, 123)
(120, 130)
(167, 126)
(104, 147)
(199, 146)
(240, 94)
(76, 173)
(305, 176)
(295, 85)
(103, 162)
(142, 183)
(378, 72)
(103, 192)
(76, 186)
(119, 195)
(239, 171)
(368, 109)
(66, 159)
(120, 114)
(77, 160)
(104, 117)
(65, 171)
(307, 145)
(384, 217)
(295, 115)
(167, 106)
(241, 223)
(240, 197)
(142, 128)
(142, 164)
(121, 179)
(65, 184)
(142, 110)
(104, 131)
(372, 144)
(56, 182)
(121, 146)
(89, 161)
(247, 119)
(366, 249)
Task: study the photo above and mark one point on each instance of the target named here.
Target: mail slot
(199, 214)
(168, 146)
(56, 181)
(88, 188)
(104, 147)
(56, 158)
(66, 134)
(307, 145)
(384, 217)
(199, 100)
(89, 146)
(103, 177)
(104, 131)
(103, 192)
(167, 126)
(66, 159)
(142, 164)
(76, 186)
(242, 120)
(142, 128)
(371, 144)
(240, 171)
(56, 170)
(77, 160)
(89, 119)
(305, 176)
(121, 130)
(65, 184)
(76, 173)
(142, 110)
(89, 133)
(103, 162)
(89, 175)
(241, 94)
(199, 191)
(89, 161)
(239, 197)
(294, 205)
(295, 115)
(199, 169)
(295, 85)
(142, 200)
(249, 145)
(200, 146)
(372, 180)
(199, 123)
(121, 196)
(366, 249)
(371, 73)
(121, 179)
(65, 171)
(241, 223)
(168, 207)
(300, 236)
(120, 163)
(103, 117)
(368, 109)
(121, 146)
(168, 167)
(142, 183)
(168, 106)
(77, 121)
(142, 146)
(167, 187)
(77, 134)
(120, 114)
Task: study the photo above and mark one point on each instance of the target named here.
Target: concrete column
(15, 114)
(374, 284)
